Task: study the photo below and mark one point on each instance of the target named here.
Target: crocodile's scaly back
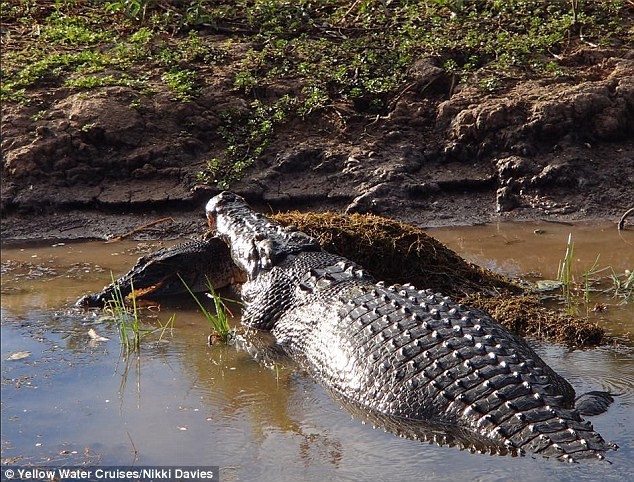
(398, 351)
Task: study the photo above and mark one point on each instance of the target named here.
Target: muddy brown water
(72, 399)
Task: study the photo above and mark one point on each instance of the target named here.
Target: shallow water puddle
(534, 252)
(73, 399)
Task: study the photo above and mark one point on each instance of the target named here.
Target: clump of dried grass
(397, 253)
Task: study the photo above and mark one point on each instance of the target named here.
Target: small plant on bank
(623, 285)
(183, 82)
(246, 135)
(219, 321)
(589, 278)
(134, 9)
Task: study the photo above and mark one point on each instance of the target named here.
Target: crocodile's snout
(218, 204)
(172, 271)
(90, 301)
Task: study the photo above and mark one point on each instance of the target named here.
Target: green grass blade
(219, 323)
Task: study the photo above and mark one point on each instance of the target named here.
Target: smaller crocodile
(166, 271)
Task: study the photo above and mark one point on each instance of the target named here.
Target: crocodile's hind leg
(594, 403)
(164, 272)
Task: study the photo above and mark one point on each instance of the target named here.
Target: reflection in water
(441, 434)
(247, 407)
(251, 379)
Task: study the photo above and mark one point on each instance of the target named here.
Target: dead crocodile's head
(167, 272)
(256, 243)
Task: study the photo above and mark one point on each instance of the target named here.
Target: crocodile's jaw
(256, 242)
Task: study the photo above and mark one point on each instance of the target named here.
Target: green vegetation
(578, 289)
(84, 45)
(246, 135)
(623, 285)
(128, 322)
(565, 276)
(291, 60)
(219, 321)
(182, 82)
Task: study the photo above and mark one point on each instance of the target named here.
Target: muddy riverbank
(99, 163)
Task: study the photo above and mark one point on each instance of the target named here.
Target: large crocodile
(403, 354)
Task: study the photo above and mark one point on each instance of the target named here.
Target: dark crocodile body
(396, 350)
(413, 360)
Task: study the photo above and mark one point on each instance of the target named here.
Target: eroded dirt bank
(102, 162)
